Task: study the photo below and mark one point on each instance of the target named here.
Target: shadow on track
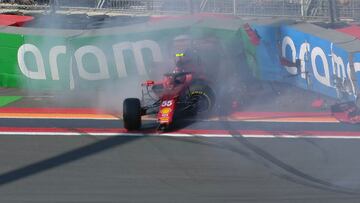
(64, 158)
(290, 173)
(299, 176)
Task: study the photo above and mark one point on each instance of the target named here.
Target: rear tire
(132, 114)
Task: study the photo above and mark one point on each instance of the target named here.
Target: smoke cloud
(92, 72)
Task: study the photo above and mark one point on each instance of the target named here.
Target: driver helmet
(184, 59)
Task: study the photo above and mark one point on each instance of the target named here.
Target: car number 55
(167, 103)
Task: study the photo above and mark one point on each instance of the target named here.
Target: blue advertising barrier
(356, 59)
(316, 62)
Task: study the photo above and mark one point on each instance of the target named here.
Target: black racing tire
(132, 114)
(204, 98)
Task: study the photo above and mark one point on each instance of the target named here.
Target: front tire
(132, 114)
(203, 99)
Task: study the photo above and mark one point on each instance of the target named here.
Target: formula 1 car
(178, 94)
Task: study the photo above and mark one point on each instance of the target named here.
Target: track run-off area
(82, 121)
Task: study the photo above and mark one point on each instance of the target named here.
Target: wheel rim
(200, 103)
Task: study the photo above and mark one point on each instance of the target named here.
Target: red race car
(179, 93)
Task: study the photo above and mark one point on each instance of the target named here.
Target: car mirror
(148, 83)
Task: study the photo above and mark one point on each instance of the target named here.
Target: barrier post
(234, 7)
(303, 8)
(333, 11)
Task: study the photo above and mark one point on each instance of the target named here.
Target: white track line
(178, 135)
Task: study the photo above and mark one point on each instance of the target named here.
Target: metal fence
(291, 8)
(235, 7)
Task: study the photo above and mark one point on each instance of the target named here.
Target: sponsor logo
(164, 120)
(39, 71)
(324, 66)
(165, 111)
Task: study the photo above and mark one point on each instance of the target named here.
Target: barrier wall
(9, 75)
(68, 59)
(356, 63)
(318, 57)
(34, 58)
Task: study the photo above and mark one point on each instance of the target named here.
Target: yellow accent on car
(165, 110)
(164, 120)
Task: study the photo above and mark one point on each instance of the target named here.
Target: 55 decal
(167, 103)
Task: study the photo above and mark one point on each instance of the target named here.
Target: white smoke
(223, 66)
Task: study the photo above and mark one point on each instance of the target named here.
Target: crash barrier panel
(70, 59)
(356, 60)
(28, 55)
(317, 59)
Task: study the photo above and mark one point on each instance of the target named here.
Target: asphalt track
(73, 154)
(177, 167)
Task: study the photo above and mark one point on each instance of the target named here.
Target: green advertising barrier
(70, 59)
(31, 58)
(9, 45)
